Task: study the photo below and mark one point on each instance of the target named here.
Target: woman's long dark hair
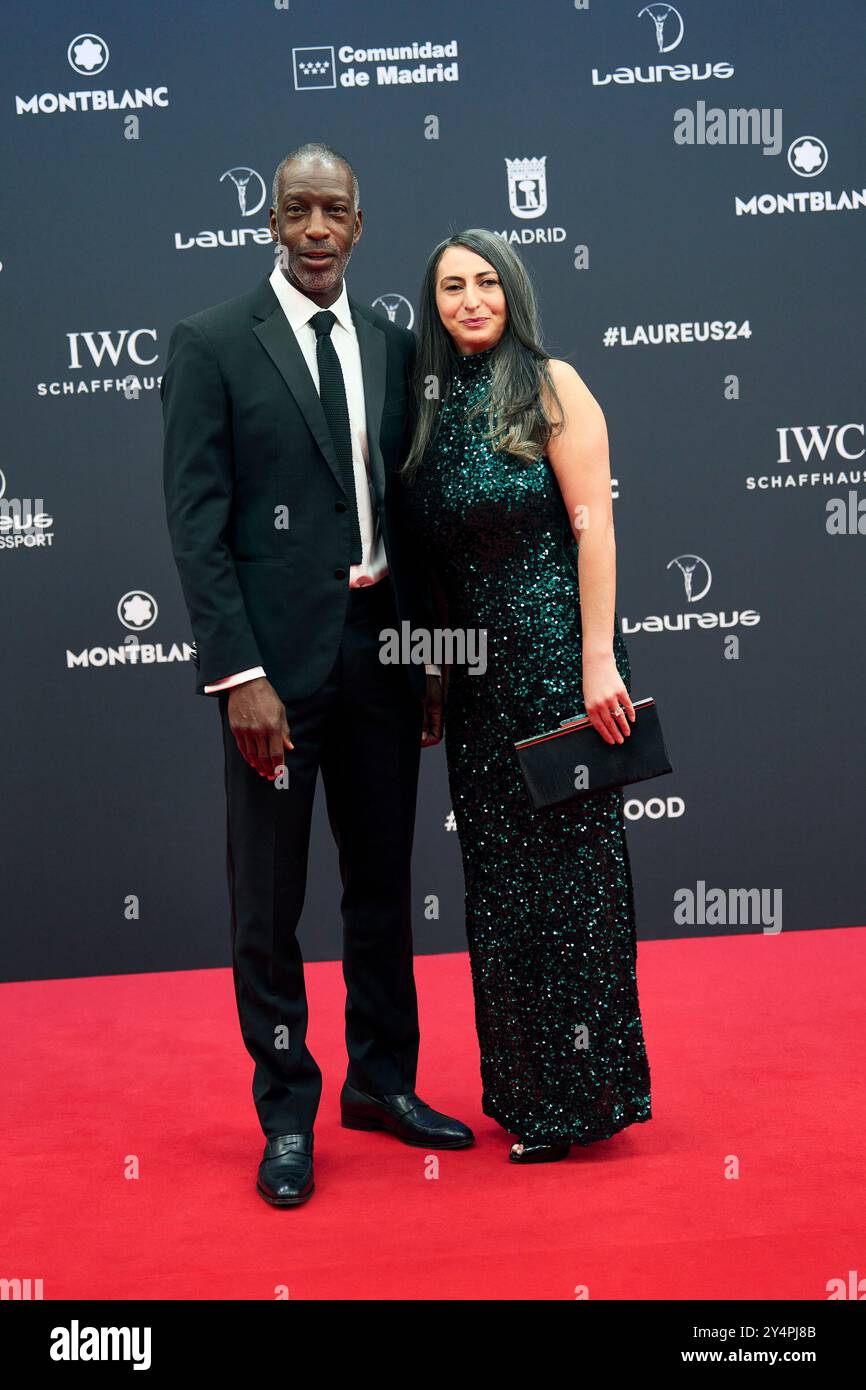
(518, 423)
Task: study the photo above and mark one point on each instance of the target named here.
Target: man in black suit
(287, 419)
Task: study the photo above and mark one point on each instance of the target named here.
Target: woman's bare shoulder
(575, 395)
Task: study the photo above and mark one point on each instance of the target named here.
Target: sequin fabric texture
(550, 916)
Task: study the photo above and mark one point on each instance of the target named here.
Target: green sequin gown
(550, 917)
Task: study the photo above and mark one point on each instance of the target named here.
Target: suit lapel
(276, 336)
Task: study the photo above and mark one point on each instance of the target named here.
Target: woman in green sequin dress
(550, 916)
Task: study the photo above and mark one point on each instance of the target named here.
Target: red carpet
(756, 1048)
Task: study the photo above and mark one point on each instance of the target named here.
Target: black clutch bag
(552, 763)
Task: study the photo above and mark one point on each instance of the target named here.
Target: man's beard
(306, 276)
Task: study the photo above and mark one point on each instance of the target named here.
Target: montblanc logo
(137, 610)
(128, 352)
(322, 68)
(88, 55)
(527, 200)
(808, 157)
(696, 580)
(395, 307)
(249, 194)
(826, 445)
(24, 522)
(666, 25)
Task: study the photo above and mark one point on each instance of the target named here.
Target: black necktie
(332, 393)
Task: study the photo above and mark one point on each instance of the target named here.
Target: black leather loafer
(286, 1170)
(407, 1116)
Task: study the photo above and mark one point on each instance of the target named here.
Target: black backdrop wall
(710, 294)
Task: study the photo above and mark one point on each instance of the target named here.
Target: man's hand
(432, 731)
(257, 717)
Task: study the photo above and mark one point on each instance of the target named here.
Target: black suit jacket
(245, 435)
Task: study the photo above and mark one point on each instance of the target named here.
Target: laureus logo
(250, 187)
(697, 579)
(251, 193)
(24, 522)
(696, 575)
(668, 25)
(395, 307)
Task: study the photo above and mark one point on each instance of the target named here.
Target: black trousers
(363, 730)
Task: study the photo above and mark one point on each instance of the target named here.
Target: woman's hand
(603, 695)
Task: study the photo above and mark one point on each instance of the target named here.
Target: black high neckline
(471, 363)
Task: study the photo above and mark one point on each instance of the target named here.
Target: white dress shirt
(298, 309)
